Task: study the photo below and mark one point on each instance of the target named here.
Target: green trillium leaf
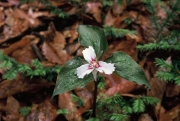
(93, 36)
(68, 80)
(127, 68)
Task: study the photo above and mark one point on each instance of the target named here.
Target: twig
(130, 95)
(94, 100)
(37, 52)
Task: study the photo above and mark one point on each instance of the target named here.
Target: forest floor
(30, 31)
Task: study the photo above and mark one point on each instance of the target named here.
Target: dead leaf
(11, 110)
(20, 44)
(85, 93)
(170, 115)
(145, 117)
(45, 111)
(119, 85)
(71, 32)
(66, 102)
(53, 47)
(20, 84)
(94, 8)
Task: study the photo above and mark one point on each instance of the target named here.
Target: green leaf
(127, 68)
(93, 36)
(68, 79)
(63, 111)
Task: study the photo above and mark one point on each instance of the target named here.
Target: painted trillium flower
(93, 65)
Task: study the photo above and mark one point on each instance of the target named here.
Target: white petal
(89, 54)
(83, 70)
(107, 68)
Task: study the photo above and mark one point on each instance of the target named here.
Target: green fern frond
(177, 80)
(138, 106)
(10, 74)
(78, 100)
(118, 117)
(165, 76)
(23, 68)
(7, 64)
(115, 33)
(162, 64)
(150, 100)
(93, 119)
(12, 68)
(63, 111)
(127, 109)
(24, 111)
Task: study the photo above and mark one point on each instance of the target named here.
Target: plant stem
(94, 100)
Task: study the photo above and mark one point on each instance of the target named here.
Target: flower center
(94, 64)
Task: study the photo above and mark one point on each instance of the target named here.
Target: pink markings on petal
(83, 70)
(89, 54)
(107, 68)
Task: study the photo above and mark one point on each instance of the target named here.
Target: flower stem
(94, 100)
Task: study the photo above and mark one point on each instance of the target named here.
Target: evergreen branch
(177, 80)
(165, 76)
(127, 109)
(78, 100)
(93, 119)
(162, 64)
(169, 19)
(138, 106)
(12, 68)
(150, 100)
(155, 46)
(24, 111)
(118, 117)
(63, 111)
(115, 33)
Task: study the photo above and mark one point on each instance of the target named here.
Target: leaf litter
(29, 31)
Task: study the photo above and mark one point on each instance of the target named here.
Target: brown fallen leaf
(2, 17)
(45, 111)
(113, 17)
(117, 85)
(145, 117)
(172, 89)
(66, 102)
(53, 47)
(170, 115)
(71, 32)
(11, 110)
(20, 44)
(20, 84)
(14, 2)
(94, 8)
(85, 93)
